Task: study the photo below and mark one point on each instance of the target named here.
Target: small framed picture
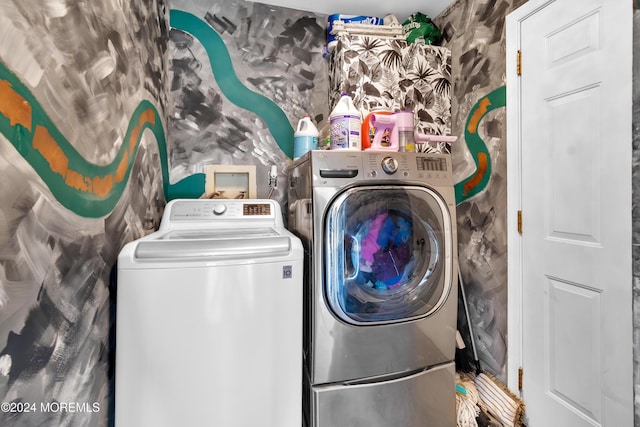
(230, 182)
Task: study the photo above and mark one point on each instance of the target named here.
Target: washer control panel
(431, 167)
(212, 209)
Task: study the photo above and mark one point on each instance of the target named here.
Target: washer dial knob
(219, 209)
(389, 165)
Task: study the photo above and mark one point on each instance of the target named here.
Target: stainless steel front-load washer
(379, 233)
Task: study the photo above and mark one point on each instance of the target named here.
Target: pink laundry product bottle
(399, 128)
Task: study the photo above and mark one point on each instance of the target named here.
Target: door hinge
(520, 222)
(519, 63)
(520, 374)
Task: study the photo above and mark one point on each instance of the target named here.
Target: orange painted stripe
(477, 115)
(59, 163)
(50, 150)
(14, 107)
(146, 116)
(121, 170)
(102, 186)
(133, 139)
(78, 181)
(483, 163)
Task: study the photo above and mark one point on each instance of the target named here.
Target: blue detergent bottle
(305, 137)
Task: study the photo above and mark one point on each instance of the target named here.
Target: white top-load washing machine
(209, 319)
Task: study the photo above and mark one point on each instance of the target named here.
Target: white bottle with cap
(345, 122)
(305, 137)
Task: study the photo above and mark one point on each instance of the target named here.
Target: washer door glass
(388, 252)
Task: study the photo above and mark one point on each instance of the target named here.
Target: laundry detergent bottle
(345, 124)
(305, 137)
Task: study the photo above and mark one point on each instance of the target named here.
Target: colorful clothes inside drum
(385, 251)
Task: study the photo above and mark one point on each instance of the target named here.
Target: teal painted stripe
(88, 203)
(479, 180)
(230, 85)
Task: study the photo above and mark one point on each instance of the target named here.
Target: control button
(389, 165)
(219, 209)
(374, 174)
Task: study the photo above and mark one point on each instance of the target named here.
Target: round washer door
(388, 253)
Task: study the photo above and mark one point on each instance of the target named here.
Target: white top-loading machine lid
(218, 230)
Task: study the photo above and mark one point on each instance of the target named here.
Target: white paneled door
(569, 115)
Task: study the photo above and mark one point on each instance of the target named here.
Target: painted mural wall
(241, 76)
(207, 126)
(474, 30)
(636, 210)
(83, 162)
(88, 162)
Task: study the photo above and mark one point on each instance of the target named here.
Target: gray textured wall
(636, 211)
(474, 30)
(88, 65)
(276, 53)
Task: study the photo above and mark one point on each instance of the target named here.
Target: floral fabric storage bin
(395, 75)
